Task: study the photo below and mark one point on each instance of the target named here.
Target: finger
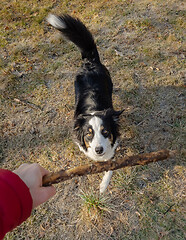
(43, 171)
(40, 169)
(43, 195)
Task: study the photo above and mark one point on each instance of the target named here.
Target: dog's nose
(99, 150)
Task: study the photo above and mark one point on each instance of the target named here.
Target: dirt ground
(142, 44)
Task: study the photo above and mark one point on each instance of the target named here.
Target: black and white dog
(95, 120)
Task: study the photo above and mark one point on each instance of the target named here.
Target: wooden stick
(97, 167)
(29, 104)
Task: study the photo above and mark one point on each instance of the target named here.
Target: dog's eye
(89, 133)
(105, 133)
(89, 136)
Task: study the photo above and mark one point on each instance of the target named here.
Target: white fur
(56, 22)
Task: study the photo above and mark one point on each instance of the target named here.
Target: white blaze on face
(98, 139)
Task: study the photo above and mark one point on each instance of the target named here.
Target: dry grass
(142, 44)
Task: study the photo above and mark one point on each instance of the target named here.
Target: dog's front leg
(105, 182)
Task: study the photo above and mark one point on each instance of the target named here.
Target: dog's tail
(74, 30)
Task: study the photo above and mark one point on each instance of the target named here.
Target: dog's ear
(115, 114)
(80, 137)
(79, 121)
(78, 130)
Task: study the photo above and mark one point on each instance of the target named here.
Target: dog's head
(97, 134)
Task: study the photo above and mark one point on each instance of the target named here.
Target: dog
(96, 125)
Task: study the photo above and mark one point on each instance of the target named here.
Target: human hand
(32, 175)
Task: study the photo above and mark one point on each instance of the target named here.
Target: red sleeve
(15, 201)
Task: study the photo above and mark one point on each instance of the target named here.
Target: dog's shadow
(153, 120)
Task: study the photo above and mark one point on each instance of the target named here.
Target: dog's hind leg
(105, 182)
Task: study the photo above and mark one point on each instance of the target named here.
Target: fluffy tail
(75, 31)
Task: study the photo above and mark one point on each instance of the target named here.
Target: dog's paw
(105, 182)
